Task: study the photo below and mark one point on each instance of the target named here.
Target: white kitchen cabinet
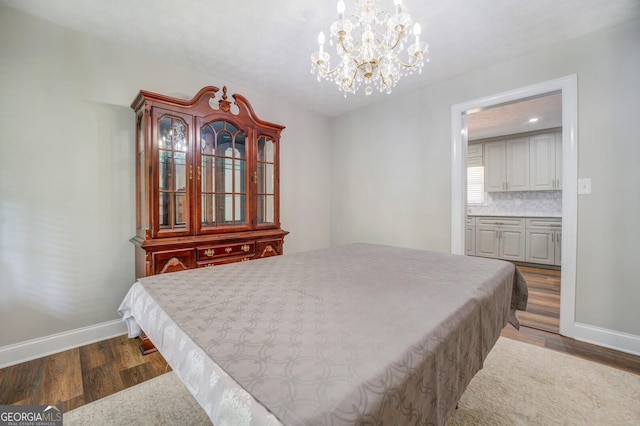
(517, 164)
(470, 237)
(544, 241)
(558, 161)
(495, 168)
(545, 162)
(501, 237)
(507, 165)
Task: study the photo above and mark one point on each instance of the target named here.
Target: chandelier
(370, 47)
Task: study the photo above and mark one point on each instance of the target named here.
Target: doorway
(519, 145)
(567, 86)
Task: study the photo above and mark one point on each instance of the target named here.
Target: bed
(357, 334)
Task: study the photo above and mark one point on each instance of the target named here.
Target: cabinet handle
(209, 252)
(199, 173)
(552, 239)
(191, 172)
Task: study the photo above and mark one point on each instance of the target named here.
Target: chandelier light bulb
(321, 40)
(341, 8)
(416, 31)
(398, 4)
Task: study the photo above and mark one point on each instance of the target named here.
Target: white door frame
(569, 88)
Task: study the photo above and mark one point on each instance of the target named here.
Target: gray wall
(67, 172)
(392, 166)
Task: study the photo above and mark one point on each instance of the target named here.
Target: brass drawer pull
(245, 248)
(209, 252)
(228, 250)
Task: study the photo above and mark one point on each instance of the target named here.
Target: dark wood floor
(79, 376)
(543, 307)
(82, 375)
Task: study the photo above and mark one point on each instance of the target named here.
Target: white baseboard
(623, 342)
(36, 348)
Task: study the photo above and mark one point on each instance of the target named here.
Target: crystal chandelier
(369, 46)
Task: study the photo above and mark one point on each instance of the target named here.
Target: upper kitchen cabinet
(545, 162)
(532, 163)
(207, 180)
(507, 165)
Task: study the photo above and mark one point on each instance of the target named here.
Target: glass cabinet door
(173, 208)
(265, 179)
(223, 176)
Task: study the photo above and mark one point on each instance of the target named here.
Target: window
(475, 185)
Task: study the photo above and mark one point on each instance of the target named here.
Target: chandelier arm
(355, 72)
(404, 64)
(384, 80)
(341, 41)
(398, 38)
(330, 72)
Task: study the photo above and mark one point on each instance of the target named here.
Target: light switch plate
(584, 186)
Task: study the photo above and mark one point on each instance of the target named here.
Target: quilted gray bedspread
(359, 334)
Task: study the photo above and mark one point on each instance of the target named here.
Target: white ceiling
(266, 44)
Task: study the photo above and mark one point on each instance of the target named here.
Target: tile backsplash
(520, 203)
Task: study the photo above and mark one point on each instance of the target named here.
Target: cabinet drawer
(500, 221)
(226, 250)
(544, 222)
(172, 261)
(223, 261)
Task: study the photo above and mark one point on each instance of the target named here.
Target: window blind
(475, 185)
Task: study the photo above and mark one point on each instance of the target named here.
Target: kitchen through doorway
(514, 196)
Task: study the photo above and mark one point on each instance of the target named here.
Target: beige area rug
(520, 384)
(163, 400)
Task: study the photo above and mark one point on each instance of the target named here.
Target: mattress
(358, 334)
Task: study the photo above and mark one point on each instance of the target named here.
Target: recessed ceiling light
(533, 120)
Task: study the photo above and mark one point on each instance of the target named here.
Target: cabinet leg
(146, 345)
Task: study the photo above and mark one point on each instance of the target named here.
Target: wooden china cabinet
(207, 183)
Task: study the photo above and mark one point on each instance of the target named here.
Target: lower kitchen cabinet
(519, 239)
(544, 241)
(470, 237)
(500, 237)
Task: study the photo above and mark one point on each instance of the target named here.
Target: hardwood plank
(101, 381)
(138, 374)
(61, 365)
(126, 353)
(97, 354)
(543, 307)
(22, 382)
